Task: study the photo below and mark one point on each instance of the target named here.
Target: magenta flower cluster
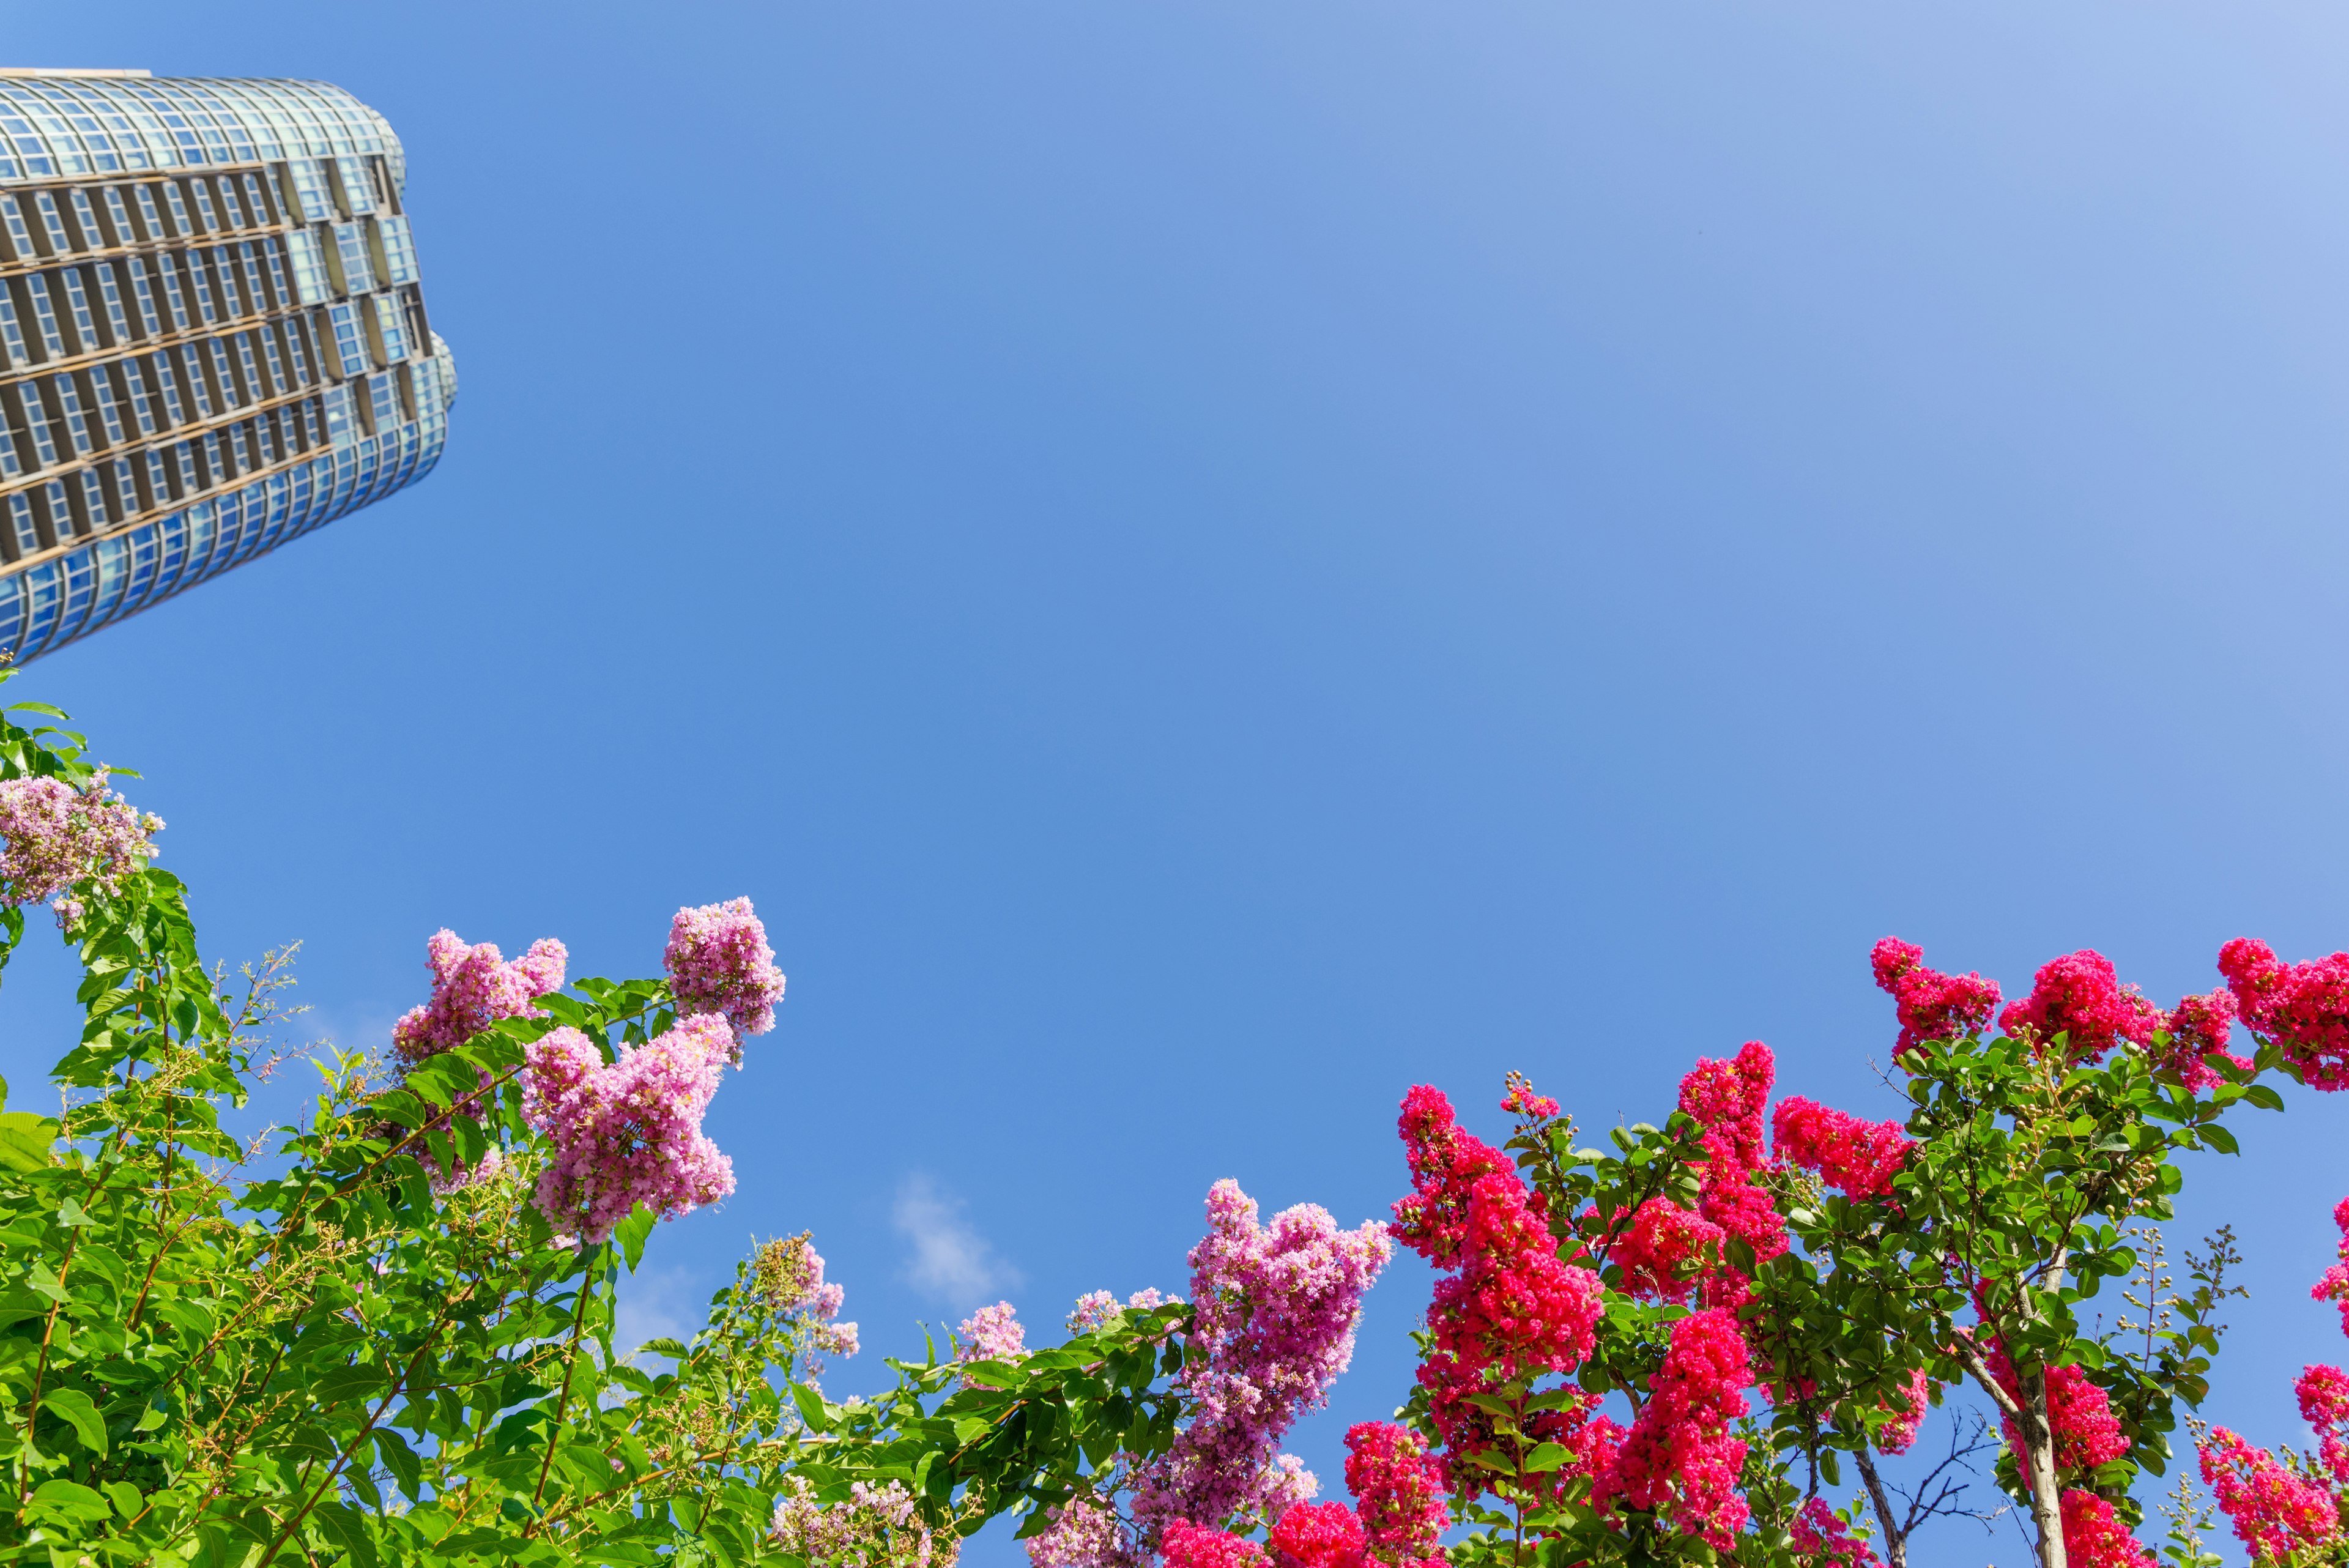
(719, 962)
(628, 1132)
(1273, 1326)
(57, 836)
(991, 1334)
(472, 988)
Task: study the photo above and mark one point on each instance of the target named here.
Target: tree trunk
(1896, 1542)
(2037, 1463)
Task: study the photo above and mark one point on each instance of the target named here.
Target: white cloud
(951, 1261)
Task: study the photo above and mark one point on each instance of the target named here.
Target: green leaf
(2220, 1138)
(1548, 1457)
(25, 1140)
(70, 1500)
(811, 1408)
(633, 1232)
(74, 1406)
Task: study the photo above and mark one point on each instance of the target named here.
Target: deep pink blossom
(2199, 1026)
(1446, 1162)
(1190, 1546)
(2274, 1511)
(472, 988)
(1858, 1158)
(1679, 1458)
(2079, 1414)
(1899, 1434)
(1317, 1535)
(1272, 1326)
(2093, 1536)
(1819, 1535)
(2324, 1405)
(1398, 1490)
(629, 1132)
(2303, 1007)
(1726, 1098)
(1931, 1005)
(1663, 1249)
(2333, 1286)
(719, 962)
(2080, 997)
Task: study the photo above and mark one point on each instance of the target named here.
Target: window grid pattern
(212, 337)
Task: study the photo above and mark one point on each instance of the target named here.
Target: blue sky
(1206, 563)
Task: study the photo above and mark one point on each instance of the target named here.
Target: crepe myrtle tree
(1665, 1349)
(386, 1334)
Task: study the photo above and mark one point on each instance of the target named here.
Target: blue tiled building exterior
(214, 335)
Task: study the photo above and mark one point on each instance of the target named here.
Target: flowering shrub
(472, 988)
(719, 962)
(56, 835)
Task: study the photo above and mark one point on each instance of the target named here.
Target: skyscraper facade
(213, 338)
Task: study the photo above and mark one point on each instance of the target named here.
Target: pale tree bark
(2037, 1460)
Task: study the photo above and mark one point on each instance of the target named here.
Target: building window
(52, 225)
(349, 346)
(45, 314)
(310, 191)
(273, 363)
(175, 298)
(338, 417)
(388, 326)
(165, 373)
(256, 198)
(150, 218)
(399, 250)
(12, 333)
(25, 531)
(20, 238)
(359, 191)
(350, 246)
(28, 425)
(77, 307)
(97, 389)
(309, 269)
(94, 236)
(199, 190)
(382, 396)
(130, 391)
(118, 214)
(200, 290)
(65, 407)
(90, 502)
(273, 263)
(142, 296)
(178, 209)
(102, 277)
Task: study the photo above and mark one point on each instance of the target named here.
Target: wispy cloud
(949, 1261)
(656, 1304)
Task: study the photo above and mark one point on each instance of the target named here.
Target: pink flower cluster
(2087, 1433)
(2274, 1511)
(2333, 1285)
(1095, 1308)
(472, 988)
(1931, 1005)
(628, 1132)
(1272, 1327)
(877, 1527)
(1678, 1458)
(1898, 1435)
(56, 837)
(789, 1273)
(2199, 1027)
(1398, 1489)
(1858, 1158)
(2080, 997)
(1726, 1098)
(2324, 1405)
(1317, 1535)
(2093, 1536)
(991, 1334)
(1664, 1250)
(1508, 1307)
(1521, 1100)
(719, 962)
(1187, 1545)
(1082, 1534)
(1821, 1536)
(2304, 1007)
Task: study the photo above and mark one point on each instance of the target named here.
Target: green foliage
(309, 1351)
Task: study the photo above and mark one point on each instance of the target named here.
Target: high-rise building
(212, 334)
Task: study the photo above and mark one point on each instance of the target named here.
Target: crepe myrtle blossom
(1398, 1489)
(1317, 1535)
(1083, 1533)
(1095, 1308)
(877, 1527)
(628, 1132)
(789, 1272)
(1272, 1327)
(2080, 997)
(1820, 1535)
(991, 1334)
(1187, 1545)
(54, 838)
(1858, 1158)
(472, 988)
(719, 962)
(2303, 1007)
(1679, 1458)
(1931, 1005)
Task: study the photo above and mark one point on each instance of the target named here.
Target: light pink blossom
(472, 988)
(719, 962)
(58, 837)
(628, 1132)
